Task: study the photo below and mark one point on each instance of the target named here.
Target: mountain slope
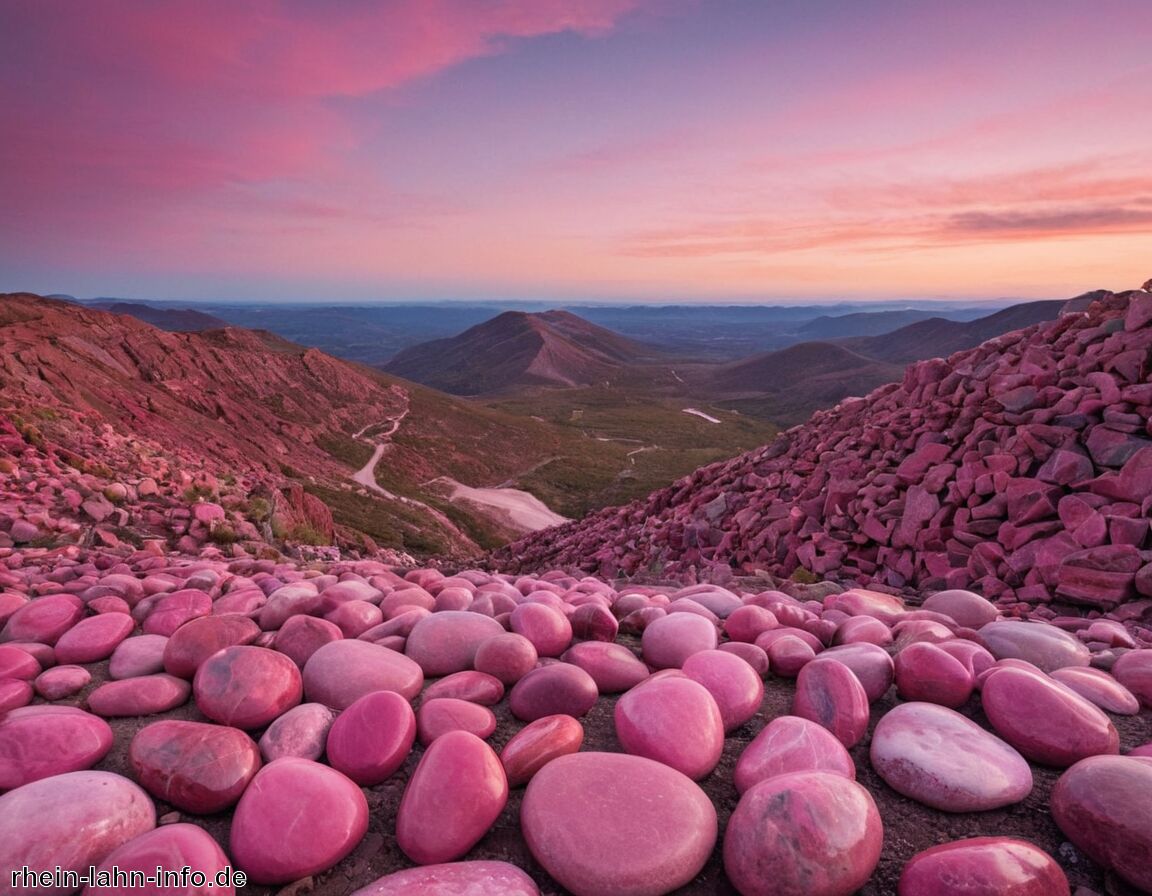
(177, 320)
(518, 349)
(1022, 468)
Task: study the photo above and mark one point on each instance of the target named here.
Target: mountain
(517, 349)
(860, 323)
(176, 320)
(1021, 468)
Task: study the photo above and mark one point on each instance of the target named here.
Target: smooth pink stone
(246, 686)
(613, 667)
(355, 617)
(966, 607)
(62, 681)
(440, 715)
(580, 810)
(791, 744)
(452, 599)
(171, 847)
(371, 739)
(983, 866)
(296, 818)
(302, 732)
(139, 696)
(301, 636)
(110, 603)
(766, 639)
(548, 629)
(537, 744)
(72, 820)
(1043, 645)
(455, 795)
(637, 621)
(173, 610)
(1099, 688)
(594, 622)
(43, 619)
(38, 742)
(871, 665)
(507, 657)
(736, 688)
(788, 655)
(137, 656)
(919, 631)
(44, 654)
(1142, 750)
(943, 759)
(803, 834)
(446, 642)
(751, 654)
(17, 663)
(654, 720)
(475, 687)
(339, 673)
(1046, 721)
(479, 878)
(862, 630)
(93, 639)
(9, 604)
(748, 622)
(296, 598)
(406, 599)
(1134, 671)
(1103, 804)
(400, 624)
(926, 673)
(829, 694)
(670, 640)
(555, 688)
(196, 640)
(973, 657)
(14, 693)
(197, 767)
(861, 602)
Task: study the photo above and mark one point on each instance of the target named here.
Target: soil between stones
(909, 827)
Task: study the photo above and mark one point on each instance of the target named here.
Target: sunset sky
(666, 150)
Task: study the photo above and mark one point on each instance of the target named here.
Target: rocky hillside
(517, 349)
(1021, 468)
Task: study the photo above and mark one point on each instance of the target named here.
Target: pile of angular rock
(1021, 468)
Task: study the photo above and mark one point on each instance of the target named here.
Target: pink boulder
(653, 719)
(580, 810)
(861, 602)
(137, 656)
(175, 609)
(17, 663)
(40, 741)
(670, 640)
(803, 834)
(983, 866)
(197, 767)
(862, 630)
(482, 878)
(455, 795)
(537, 744)
(438, 716)
(302, 732)
(172, 847)
(43, 619)
(1042, 645)
(93, 639)
(736, 688)
(828, 693)
(787, 655)
(926, 673)
(195, 641)
(1099, 688)
(966, 607)
(62, 681)
(548, 629)
(751, 654)
(1134, 671)
(246, 686)
(446, 642)
(791, 744)
(301, 636)
(475, 687)
(142, 696)
(594, 622)
(14, 693)
(613, 667)
(339, 673)
(296, 818)
(507, 657)
(871, 665)
(555, 688)
(371, 739)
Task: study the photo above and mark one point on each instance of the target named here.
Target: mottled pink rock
(653, 720)
(871, 665)
(475, 687)
(803, 834)
(736, 688)
(246, 686)
(110, 603)
(141, 696)
(537, 744)
(1045, 646)
(43, 619)
(138, 655)
(72, 821)
(446, 642)
(355, 617)
(438, 716)
(791, 744)
(302, 732)
(508, 657)
(594, 622)
(787, 655)
(482, 878)
(926, 673)
(983, 866)
(9, 604)
(1134, 671)
(966, 607)
(62, 681)
(942, 759)
(339, 673)
(93, 639)
(301, 636)
(17, 663)
(1046, 721)
(197, 767)
(173, 610)
(456, 793)
(748, 622)
(1103, 804)
(548, 690)
(751, 654)
(862, 630)
(371, 739)
(1099, 688)
(670, 640)
(40, 741)
(829, 694)
(296, 818)
(14, 693)
(861, 602)
(973, 657)
(580, 809)
(171, 847)
(192, 643)
(613, 667)
(548, 629)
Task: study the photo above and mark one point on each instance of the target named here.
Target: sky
(634, 150)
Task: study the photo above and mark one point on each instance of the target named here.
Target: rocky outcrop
(1021, 468)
